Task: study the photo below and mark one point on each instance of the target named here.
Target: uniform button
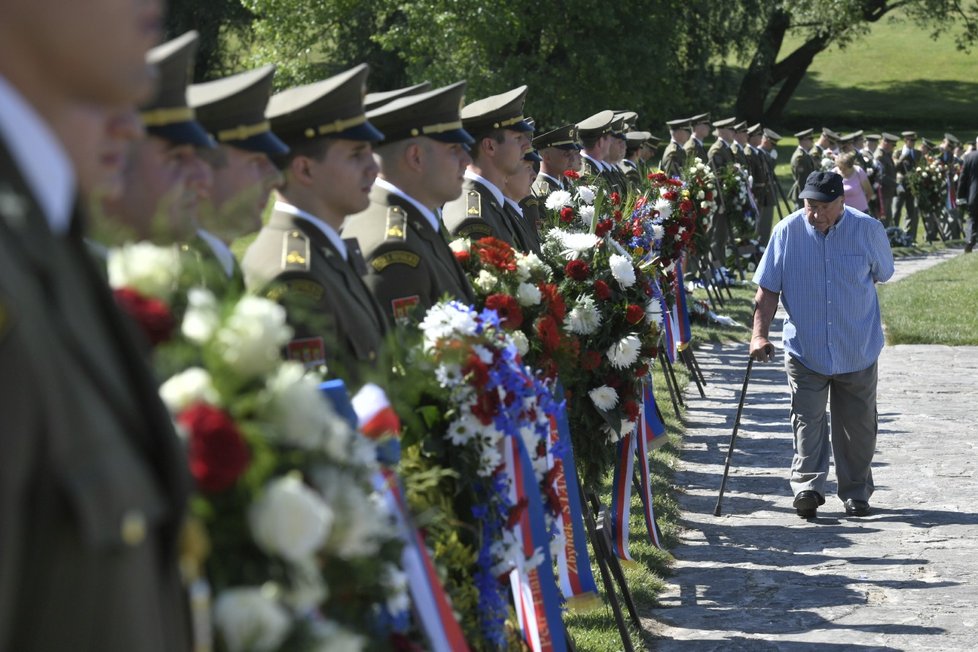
(133, 528)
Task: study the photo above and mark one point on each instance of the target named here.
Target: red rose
(675, 182)
(617, 215)
(634, 314)
(685, 205)
(591, 360)
(615, 199)
(566, 214)
(669, 195)
(218, 453)
(549, 333)
(151, 315)
(496, 253)
(462, 256)
(630, 408)
(571, 174)
(709, 196)
(486, 406)
(602, 291)
(658, 176)
(510, 315)
(604, 227)
(577, 270)
(553, 301)
(641, 371)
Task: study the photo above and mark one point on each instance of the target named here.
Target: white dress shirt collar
(496, 192)
(221, 251)
(424, 210)
(327, 230)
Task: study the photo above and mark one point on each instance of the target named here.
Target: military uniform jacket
(674, 159)
(760, 171)
(802, 164)
(410, 266)
(524, 228)
(631, 172)
(967, 188)
(695, 149)
(533, 214)
(206, 264)
(93, 480)
(334, 315)
(740, 153)
(545, 184)
(904, 163)
(720, 155)
(476, 214)
(884, 160)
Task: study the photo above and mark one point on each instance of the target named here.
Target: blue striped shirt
(827, 288)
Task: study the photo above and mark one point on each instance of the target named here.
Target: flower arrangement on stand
(928, 183)
(287, 532)
(702, 186)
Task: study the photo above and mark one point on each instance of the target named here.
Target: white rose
(305, 417)
(701, 195)
(187, 387)
(528, 294)
(202, 317)
(486, 281)
(290, 519)
(147, 268)
(251, 339)
(519, 340)
(249, 621)
(460, 245)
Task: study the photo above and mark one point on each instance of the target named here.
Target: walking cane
(733, 437)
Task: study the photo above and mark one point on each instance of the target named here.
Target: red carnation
(669, 195)
(630, 408)
(709, 196)
(641, 370)
(634, 314)
(463, 256)
(675, 182)
(549, 333)
(151, 315)
(615, 199)
(604, 227)
(218, 453)
(658, 176)
(571, 174)
(553, 301)
(685, 205)
(591, 360)
(566, 214)
(510, 315)
(496, 253)
(577, 270)
(486, 406)
(601, 290)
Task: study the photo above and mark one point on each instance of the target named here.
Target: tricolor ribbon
(434, 612)
(952, 201)
(621, 497)
(651, 417)
(534, 590)
(645, 436)
(668, 332)
(375, 416)
(681, 308)
(577, 583)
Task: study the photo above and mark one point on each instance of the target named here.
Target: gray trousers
(852, 399)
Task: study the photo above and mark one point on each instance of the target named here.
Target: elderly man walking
(823, 262)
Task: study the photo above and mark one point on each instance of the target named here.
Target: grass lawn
(936, 306)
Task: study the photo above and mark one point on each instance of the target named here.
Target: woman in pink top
(855, 181)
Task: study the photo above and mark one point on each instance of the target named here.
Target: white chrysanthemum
(575, 243)
(653, 312)
(584, 318)
(460, 245)
(587, 214)
(557, 200)
(586, 194)
(250, 621)
(520, 342)
(444, 319)
(658, 231)
(528, 294)
(149, 269)
(486, 281)
(202, 316)
(489, 460)
(190, 386)
(622, 270)
(664, 206)
(251, 339)
(624, 352)
(464, 429)
(604, 398)
(290, 519)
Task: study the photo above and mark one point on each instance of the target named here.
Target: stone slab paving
(760, 578)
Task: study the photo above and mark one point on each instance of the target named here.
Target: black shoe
(807, 502)
(856, 507)
(968, 247)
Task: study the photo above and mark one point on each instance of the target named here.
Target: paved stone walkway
(760, 578)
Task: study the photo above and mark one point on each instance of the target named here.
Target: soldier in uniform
(694, 146)
(93, 479)
(674, 156)
(952, 165)
(377, 99)
(824, 147)
(556, 148)
(299, 258)
(904, 163)
(522, 205)
(739, 146)
(649, 150)
(887, 176)
(802, 164)
(502, 136)
(232, 110)
(766, 202)
(719, 157)
(165, 178)
(967, 195)
(595, 134)
(632, 166)
(410, 266)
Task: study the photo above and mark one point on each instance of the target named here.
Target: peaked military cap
(740, 126)
(376, 100)
(755, 129)
(908, 134)
(636, 138)
(726, 123)
(951, 138)
(168, 115)
(618, 127)
(872, 137)
(597, 124)
(700, 119)
(771, 135)
(653, 139)
(232, 109)
(846, 139)
(681, 123)
(891, 138)
(629, 118)
(564, 137)
(434, 114)
(807, 133)
(856, 135)
(830, 134)
(331, 108)
(929, 143)
(502, 111)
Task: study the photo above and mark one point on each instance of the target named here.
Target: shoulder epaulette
(399, 256)
(396, 228)
(295, 251)
(473, 204)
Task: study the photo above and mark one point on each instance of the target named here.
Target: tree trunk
(758, 80)
(792, 70)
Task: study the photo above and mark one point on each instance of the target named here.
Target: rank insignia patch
(310, 351)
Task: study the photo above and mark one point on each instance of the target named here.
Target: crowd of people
(385, 204)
